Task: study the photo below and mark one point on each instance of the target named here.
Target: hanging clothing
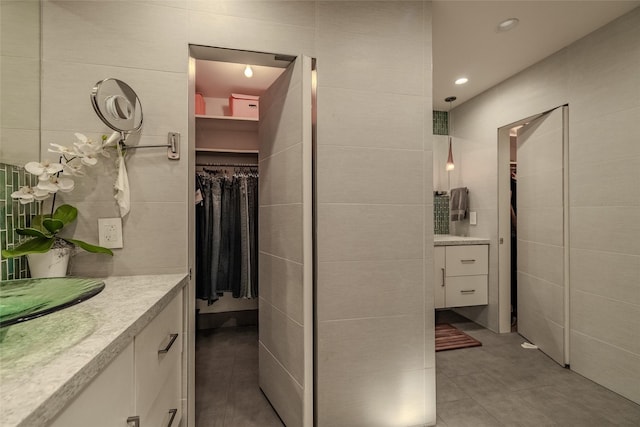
(226, 234)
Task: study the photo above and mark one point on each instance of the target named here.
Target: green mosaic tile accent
(13, 215)
(440, 214)
(440, 123)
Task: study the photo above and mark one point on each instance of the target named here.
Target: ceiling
(466, 41)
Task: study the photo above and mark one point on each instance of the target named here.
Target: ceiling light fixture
(450, 165)
(507, 24)
(248, 72)
(461, 81)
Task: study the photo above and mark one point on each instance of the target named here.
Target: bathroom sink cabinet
(461, 275)
(143, 384)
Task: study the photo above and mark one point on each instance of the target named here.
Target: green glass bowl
(25, 299)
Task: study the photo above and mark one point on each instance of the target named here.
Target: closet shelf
(225, 150)
(242, 119)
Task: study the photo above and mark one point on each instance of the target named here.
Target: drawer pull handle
(168, 347)
(442, 276)
(467, 291)
(173, 413)
(133, 422)
(467, 261)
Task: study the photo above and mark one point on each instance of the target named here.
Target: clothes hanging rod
(232, 165)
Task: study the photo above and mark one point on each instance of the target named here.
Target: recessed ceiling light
(461, 81)
(508, 24)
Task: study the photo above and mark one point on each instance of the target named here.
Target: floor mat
(450, 338)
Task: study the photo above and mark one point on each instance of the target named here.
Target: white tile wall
(374, 65)
(596, 77)
(375, 214)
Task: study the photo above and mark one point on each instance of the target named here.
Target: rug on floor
(450, 338)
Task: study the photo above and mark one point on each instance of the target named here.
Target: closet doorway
(277, 146)
(542, 202)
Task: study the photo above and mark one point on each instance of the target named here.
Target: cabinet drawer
(155, 357)
(467, 260)
(466, 290)
(108, 399)
(166, 409)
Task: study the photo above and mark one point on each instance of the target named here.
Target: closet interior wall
(224, 140)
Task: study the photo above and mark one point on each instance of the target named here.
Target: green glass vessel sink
(26, 299)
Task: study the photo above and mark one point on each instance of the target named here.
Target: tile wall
(13, 215)
(440, 123)
(440, 213)
(374, 55)
(594, 76)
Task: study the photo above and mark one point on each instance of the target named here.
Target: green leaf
(32, 232)
(66, 214)
(36, 221)
(89, 247)
(53, 225)
(37, 245)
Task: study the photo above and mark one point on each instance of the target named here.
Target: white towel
(459, 203)
(123, 196)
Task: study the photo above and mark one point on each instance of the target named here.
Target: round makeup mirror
(117, 105)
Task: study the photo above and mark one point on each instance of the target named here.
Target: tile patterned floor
(498, 384)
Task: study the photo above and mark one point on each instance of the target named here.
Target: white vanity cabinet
(142, 386)
(461, 275)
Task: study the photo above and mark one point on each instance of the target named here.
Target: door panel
(541, 247)
(285, 265)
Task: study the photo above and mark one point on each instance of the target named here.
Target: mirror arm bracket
(172, 145)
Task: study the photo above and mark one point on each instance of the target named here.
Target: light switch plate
(110, 232)
(473, 218)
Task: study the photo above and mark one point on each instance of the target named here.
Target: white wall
(20, 83)
(374, 114)
(598, 77)
(375, 215)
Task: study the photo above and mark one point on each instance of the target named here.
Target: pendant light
(450, 165)
(248, 71)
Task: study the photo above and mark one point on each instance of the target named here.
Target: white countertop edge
(39, 410)
(450, 240)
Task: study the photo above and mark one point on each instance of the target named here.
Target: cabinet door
(158, 359)
(108, 399)
(439, 277)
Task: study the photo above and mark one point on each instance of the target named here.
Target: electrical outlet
(110, 232)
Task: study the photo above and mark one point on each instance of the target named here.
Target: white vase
(50, 264)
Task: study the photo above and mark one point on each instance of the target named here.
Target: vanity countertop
(46, 361)
(449, 240)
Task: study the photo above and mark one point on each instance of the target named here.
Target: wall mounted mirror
(117, 105)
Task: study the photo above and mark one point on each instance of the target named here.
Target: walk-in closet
(252, 237)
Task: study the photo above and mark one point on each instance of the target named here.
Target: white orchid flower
(64, 150)
(81, 137)
(39, 194)
(43, 170)
(24, 195)
(72, 169)
(48, 186)
(65, 184)
(89, 160)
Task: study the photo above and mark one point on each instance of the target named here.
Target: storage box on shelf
(244, 105)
